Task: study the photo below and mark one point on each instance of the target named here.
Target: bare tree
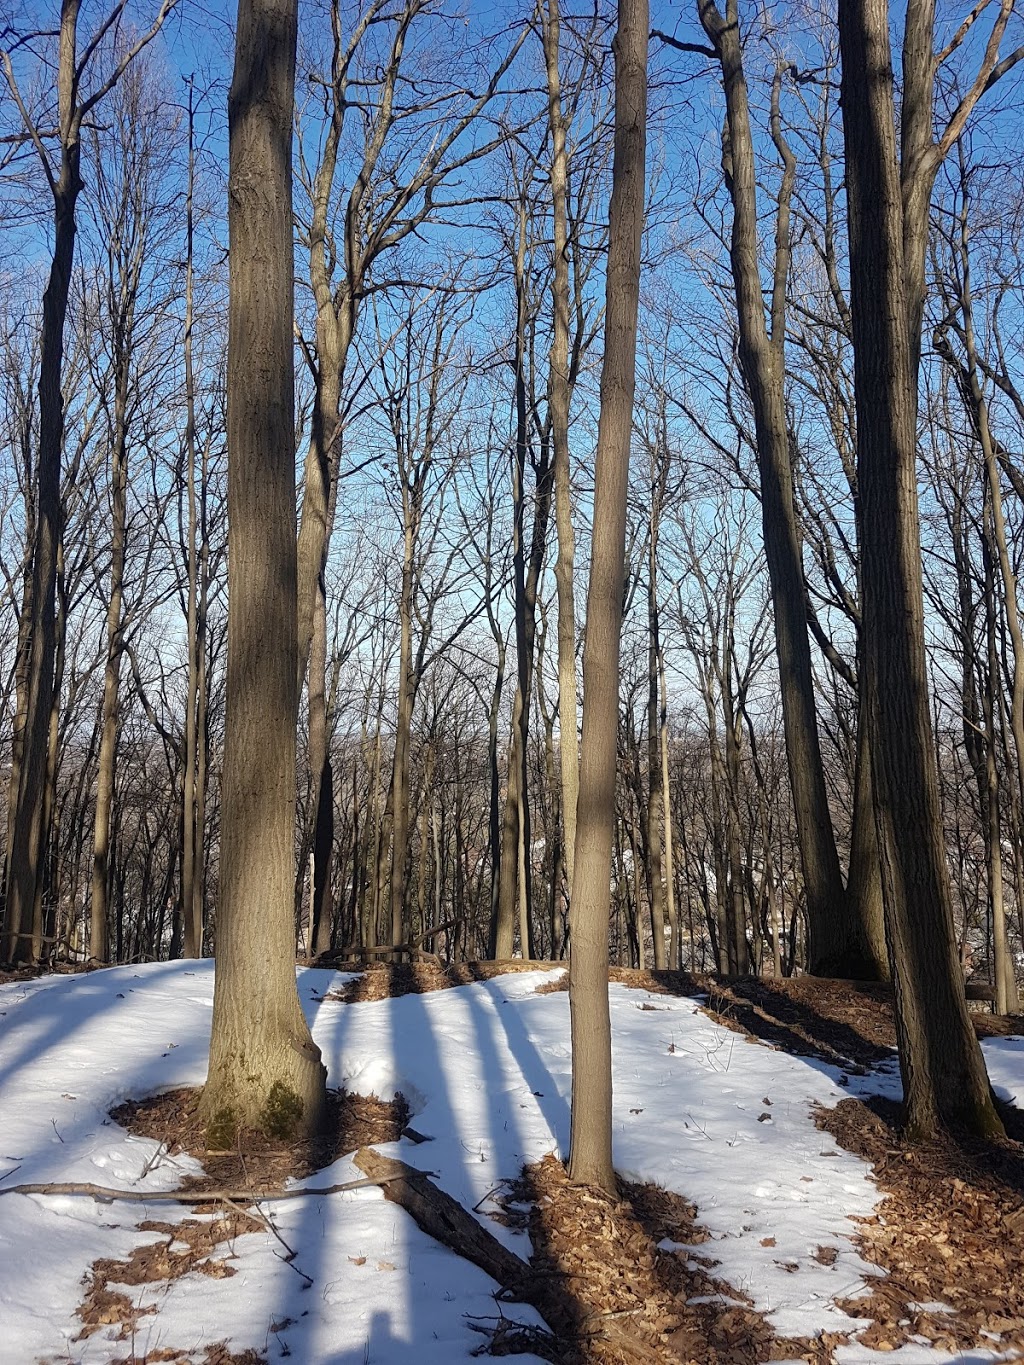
(590, 1148)
(838, 943)
(265, 1070)
(944, 1079)
(62, 172)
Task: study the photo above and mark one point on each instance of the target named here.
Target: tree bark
(192, 841)
(674, 960)
(98, 946)
(265, 1071)
(833, 949)
(590, 1150)
(944, 1079)
(655, 791)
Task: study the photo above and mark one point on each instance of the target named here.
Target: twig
(268, 1223)
(493, 1190)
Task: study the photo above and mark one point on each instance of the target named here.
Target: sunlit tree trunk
(265, 1070)
(590, 1146)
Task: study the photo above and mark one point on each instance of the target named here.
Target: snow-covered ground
(486, 1071)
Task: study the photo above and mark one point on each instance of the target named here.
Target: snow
(725, 1122)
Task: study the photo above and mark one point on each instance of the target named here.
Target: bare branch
(961, 32)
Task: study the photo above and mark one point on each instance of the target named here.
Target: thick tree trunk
(265, 1071)
(944, 1077)
(590, 1150)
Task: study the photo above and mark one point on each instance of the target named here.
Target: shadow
(74, 1045)
(534, 1070)
(486, 1106)
(316, 1227)
(304, 1225)
(794, 1015)
(995, 1166)
(610, 1292)
(63, 1006)
(382, 1347)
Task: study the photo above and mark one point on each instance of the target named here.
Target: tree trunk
(1005, 977)
(98, 947)
(864, 882)
(944, 1079)
(831, 934)
(590, 1149)
(192, 843)
(1002, 961)
(321, 782)
(403, 740)
(559, 392)
(670, 888)
(516, 819)
(21, 675)
(655, 793)
(25, 866)
(265, 1071)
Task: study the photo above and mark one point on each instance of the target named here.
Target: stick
(107, 1195)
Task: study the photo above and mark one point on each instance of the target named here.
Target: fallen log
(443, 1218)
(413, 947)
(980, 990)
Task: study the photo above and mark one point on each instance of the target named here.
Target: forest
(529, 486)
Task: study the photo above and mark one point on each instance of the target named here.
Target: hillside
(767, 1209)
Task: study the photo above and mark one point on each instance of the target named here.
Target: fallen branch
(105, 1194)
(379, 950)
(414, 946)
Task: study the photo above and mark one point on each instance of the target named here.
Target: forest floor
(767, 1208)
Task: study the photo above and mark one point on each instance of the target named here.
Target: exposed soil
(186, 1247)
(203, 1245)
(9, 974)
(258, 1162)
(950, 1231)
(623, 1299)
(384, 980)
(218, 1354)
